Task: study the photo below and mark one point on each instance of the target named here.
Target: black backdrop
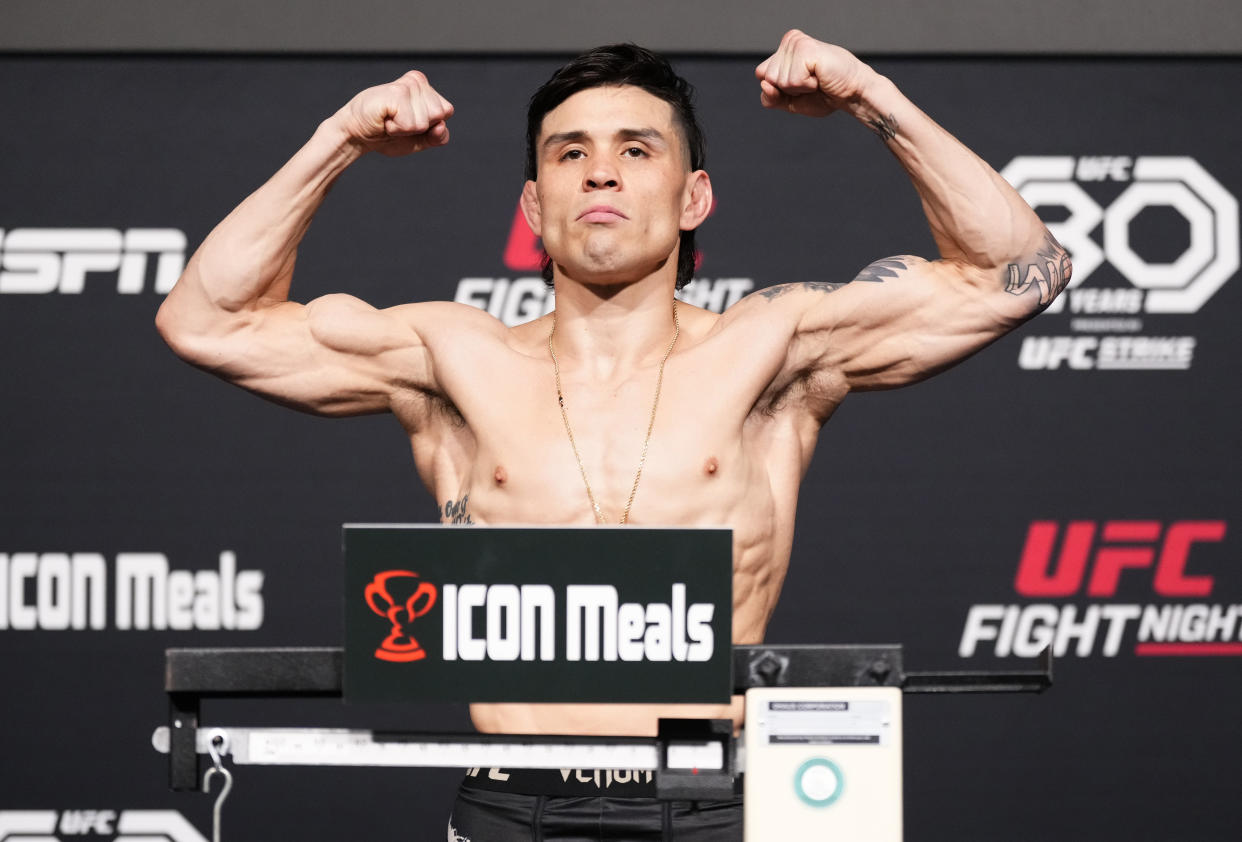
(917, 507)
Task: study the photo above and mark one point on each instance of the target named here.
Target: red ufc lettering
(1033, 578)
(1110, 561)
(1170, 573)
(1125, 544)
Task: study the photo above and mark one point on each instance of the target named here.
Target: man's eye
(572, 155)
(635, 152)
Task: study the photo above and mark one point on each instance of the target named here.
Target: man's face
(614, 187)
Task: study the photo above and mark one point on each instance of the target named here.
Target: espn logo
(43, 260)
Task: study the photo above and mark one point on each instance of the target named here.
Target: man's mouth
(601, 213)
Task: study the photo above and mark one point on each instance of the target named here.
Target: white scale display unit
(823, 763)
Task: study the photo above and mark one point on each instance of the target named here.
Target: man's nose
(603, 176)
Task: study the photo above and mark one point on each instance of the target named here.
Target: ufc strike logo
(1123, 544)
(1210, 211)
(43, 260)
(400, 646)
(128, 825)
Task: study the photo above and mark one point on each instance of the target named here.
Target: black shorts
(583, 805)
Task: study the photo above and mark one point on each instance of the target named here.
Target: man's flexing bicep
(903, 318)
(229, 313)
(336, 355)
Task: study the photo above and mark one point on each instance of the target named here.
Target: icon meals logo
(59, 591)
(400, 645)
(1162, 226)
(509, 622)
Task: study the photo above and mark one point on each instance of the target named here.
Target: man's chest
(676, 449)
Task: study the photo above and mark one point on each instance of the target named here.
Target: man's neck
(615, 328)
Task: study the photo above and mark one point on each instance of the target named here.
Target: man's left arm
(904, 318)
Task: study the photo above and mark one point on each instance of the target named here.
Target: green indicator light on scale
(819, 782)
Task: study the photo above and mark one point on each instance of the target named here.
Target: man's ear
(530, 207)
(698, 200)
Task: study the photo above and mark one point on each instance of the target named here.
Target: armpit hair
(428, 404)
(809, 385)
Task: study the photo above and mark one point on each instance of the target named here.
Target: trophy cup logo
(400, 646)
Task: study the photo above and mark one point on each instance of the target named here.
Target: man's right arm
(230, 312)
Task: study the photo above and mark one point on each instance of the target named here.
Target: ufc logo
(128, 825)
(1210, 212)
(43, 260)
(1108, 550)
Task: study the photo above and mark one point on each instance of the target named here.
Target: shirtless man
(671, 414)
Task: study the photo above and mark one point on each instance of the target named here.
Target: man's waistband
(612, 783)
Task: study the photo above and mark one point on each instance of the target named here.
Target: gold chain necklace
(560, 399)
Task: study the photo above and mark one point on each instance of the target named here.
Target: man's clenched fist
(809, 77)
(398, 118)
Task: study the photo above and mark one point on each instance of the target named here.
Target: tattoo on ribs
(885, 128)
(1049, 272)
(454, 511)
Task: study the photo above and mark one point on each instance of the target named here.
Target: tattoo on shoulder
(806, 286)
(885, 128)
(877, 272)
(454, 511)
(882, 270)
(1048, 272)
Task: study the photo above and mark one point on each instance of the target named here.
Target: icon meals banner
(478, 614)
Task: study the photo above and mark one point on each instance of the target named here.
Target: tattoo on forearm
(454, 511)
(885, 128)
(1049, 272)
(809, 286)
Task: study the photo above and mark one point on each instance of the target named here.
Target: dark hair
(621, 64)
